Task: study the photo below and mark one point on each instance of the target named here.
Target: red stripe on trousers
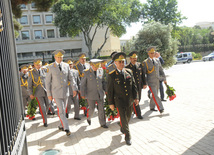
(59, 116)
(153, 96)
(40, 109)
(135, 109)
(120, 119)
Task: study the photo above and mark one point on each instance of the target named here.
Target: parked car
(209, 57)
(184, 57)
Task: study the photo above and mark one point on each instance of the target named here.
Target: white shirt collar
(58, 63)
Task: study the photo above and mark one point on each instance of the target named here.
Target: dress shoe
(89, 122)
(128, 142)
(45, 125)
(68, 133)
(104, 126)
(163, 100)
(60, 128)
(153, 110)
(77, 118)
(140, 117)
(161, 111)
(66, 115)
(121, 130)
(53, 113)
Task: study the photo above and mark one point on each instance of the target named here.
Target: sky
(195, 11)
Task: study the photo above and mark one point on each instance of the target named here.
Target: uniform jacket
(57, 81)
(24, 83)
(110, 68)
(36, 80)
(80, 68)
(153, 72)
(121, 89)
(93, 87)
(75, 74)
(138, 74)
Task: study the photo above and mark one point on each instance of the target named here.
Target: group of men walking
(65, 83)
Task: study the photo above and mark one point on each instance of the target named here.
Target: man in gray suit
(93, 87)
(73, 100)
(57, 79)
(35, 81)
(154, 73)
(23, 78)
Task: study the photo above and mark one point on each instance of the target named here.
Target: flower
(170, 93)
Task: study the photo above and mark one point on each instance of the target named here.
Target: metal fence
(12, 126)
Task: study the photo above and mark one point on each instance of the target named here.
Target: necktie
(95, 73)
(153, 61)
(84, 67)
(60, 67)
(39, 72)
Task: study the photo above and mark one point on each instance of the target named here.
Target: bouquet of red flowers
(170, 91)
(110, 114)
(83, 105)
(32, 106)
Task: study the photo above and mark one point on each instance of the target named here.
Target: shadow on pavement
(204, 146)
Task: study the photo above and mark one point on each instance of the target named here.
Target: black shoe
(140, 117)
(53, 113)
(45, 125)
(161, 111)
(66, 115)
(77, 118)
(121, 130)
(128, 142)
(163, 100)
(60, 128)
(89, 122)
(68, 133)
(153, 110)
(104, 126)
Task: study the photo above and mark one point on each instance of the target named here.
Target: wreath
(32, 106)
(83, 105)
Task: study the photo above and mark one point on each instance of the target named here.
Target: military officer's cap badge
(151, 49)
(96, 62)
(121, 56)
(82, 55)
(133, 54)
(30, 66)
(46, 63)
(69, 61)
(37, 61)
(24, 66)
(59, 53)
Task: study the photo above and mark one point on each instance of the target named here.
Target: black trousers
(137, 109)
(125, 115)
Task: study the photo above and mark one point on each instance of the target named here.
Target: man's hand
(136, 101)
(50, 98)
(74, 93)
(32, 97)
(83, 97)
(165, 82)
(144, 86)
(111, 107)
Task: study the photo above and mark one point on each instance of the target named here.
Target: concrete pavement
(184, 128)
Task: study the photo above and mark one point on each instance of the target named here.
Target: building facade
(39, 38)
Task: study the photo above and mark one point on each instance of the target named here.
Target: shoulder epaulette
(112, 71)
(86, 70)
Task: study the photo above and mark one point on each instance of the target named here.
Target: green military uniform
(122, 90)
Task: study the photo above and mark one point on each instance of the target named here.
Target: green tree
(87, 16)
(158, 35)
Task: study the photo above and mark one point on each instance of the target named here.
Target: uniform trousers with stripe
(125, 115)
(61, 105)
(73, 100)
(101, 112)
(43, 107)
(137, 107)
(154, 90)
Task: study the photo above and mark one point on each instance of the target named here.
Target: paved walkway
(186, 126)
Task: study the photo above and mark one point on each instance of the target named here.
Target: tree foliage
(158, 35)
(75, 16)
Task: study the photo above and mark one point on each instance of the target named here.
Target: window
(36, 19)
(67, 51)
(50, 34)
(49, 18)
(23, 6)
(19, 55)
(38, 34)
(25, 35)
(30, 54)
(184, 55)
(62, 35)
(39, 53)
(33, 6)
(23, 20)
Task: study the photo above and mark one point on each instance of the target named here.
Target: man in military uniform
(57, 79)
(111, 65)
(36, 81)
(122, 92)
(24, 84)
(73, 99)
(154, 73)
(139, 77)
(93, 88)
(81, 65)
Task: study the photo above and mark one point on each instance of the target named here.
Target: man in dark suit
(122, 92)
(139, 77)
